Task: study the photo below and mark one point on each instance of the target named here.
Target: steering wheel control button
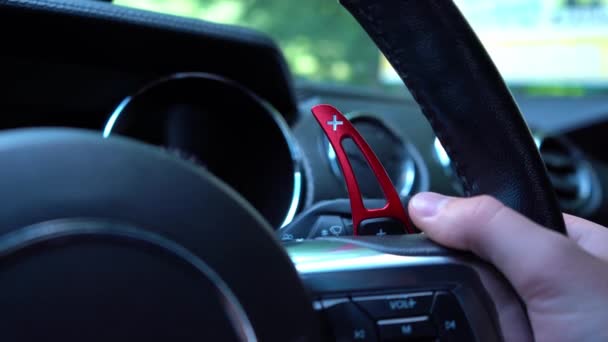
(337, 128)
(330, 225)
(450, 319)
(381, 227)
(405, 329)
(348, 322)
(396, 306)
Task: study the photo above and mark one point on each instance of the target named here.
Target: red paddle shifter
(337, 128)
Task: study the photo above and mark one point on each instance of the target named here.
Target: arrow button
(450, 319)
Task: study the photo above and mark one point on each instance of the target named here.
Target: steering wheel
(111, 239)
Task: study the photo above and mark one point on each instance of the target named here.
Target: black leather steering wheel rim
(133, 193)
(461, 93)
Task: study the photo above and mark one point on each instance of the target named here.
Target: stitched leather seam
(431, 116)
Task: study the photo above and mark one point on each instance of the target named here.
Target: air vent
(575, 183)
(570, 174)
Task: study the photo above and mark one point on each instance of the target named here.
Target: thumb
(529, 255)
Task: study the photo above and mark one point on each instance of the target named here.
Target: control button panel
(400, 305)
(420, 316)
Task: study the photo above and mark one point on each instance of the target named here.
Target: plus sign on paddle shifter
(335, 123)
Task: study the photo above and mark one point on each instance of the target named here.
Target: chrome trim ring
(412, 169)
(299, 173)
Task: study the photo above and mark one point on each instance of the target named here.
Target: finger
(523, 250)
(511, 315)
(590, 236)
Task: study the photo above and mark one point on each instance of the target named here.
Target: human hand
(563, 281)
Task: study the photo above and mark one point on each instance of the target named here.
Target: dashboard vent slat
(571, 174)
(568, 172)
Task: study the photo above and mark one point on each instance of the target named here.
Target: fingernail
(427, 204)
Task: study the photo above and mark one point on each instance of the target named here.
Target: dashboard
(249, 122)
(563, 129)
(283, 168)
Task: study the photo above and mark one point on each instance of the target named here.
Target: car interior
(177, 173)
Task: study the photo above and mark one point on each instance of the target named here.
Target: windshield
(555, 47)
